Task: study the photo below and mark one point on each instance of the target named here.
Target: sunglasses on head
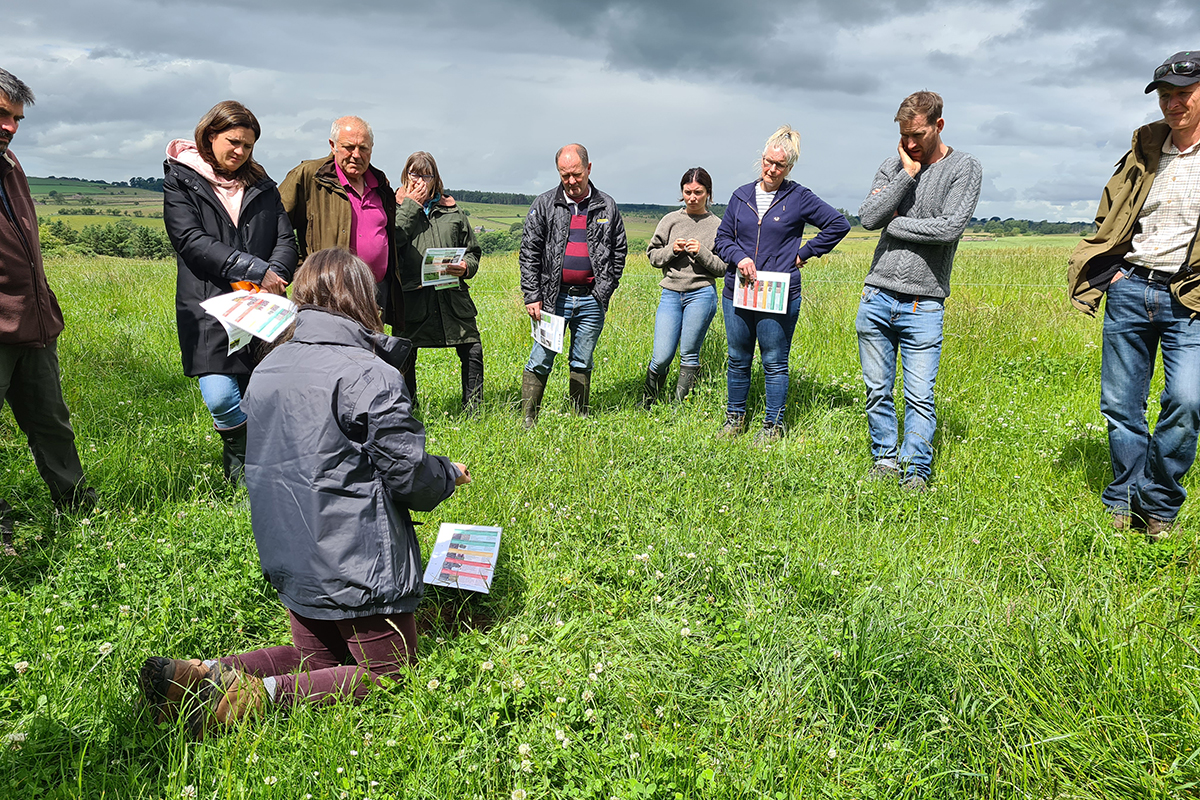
(1186, 68)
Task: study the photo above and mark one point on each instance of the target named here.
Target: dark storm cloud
(494, 86)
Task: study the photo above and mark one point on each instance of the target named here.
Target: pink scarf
(229, 192)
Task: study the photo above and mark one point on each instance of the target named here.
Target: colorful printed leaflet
(245, 315)
(549, 331)
(464, 557)
(433, 268)
(768, 292)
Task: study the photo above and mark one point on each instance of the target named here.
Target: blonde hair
(786, 139)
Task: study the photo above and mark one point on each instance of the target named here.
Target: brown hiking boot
(1159, 529)
(167, 682)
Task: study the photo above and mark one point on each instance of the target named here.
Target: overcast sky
(1045, 94)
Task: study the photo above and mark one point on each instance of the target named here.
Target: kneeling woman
(334, 464)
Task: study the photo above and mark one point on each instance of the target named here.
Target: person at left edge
(30, 322)
(342, 200)
(227, 225)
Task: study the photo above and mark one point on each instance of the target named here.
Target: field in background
(674, 616)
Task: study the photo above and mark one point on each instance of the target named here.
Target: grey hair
(786, 139)
(580, 151)
(339, 123)
(15, 89)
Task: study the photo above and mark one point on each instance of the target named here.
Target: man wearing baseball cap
(1145, 259)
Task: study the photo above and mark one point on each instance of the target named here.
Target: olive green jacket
(435, 317)
(317, 204)
(1096, 259)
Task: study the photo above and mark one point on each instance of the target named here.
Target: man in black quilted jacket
(572, 255)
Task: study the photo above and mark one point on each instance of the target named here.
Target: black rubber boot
(687, 379)
(472, 376)
(533, 386)
(233, 455)
(653, 385)
(579, 389)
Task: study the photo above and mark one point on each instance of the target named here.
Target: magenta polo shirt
(368, 224)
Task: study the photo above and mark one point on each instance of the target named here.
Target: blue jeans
(888, 322)
(681, 323)
(1139, 316)
(223, 396)
(774, 335)
(585, 320)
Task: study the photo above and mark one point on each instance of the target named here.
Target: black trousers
(471, 357)
(30, 384)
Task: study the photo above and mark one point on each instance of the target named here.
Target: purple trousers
(315, 667)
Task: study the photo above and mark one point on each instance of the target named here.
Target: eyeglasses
(420, 177)
(1187, 69)
(770, 162)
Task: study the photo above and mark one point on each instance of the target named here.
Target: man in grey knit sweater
(922, 200)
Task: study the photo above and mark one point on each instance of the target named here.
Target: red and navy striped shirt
(577, 265)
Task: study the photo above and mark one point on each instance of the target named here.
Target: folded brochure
(245, 315)
(464, 557)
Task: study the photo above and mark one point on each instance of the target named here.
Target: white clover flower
(832, 754)
(526, 765)
(188, 791)
(598, 668)
(518, 794)
(21, 667)
(353, 752)
(59, 628)
(523, 639)
(659, 711)
(252, 758)
(588, 696)
(560, 699)
(560, 734)
(592, 677)
(106, 648)
(123, 609)
(524, 749)
(588, 713)
(628, 737)
(518, 682)
(634, 756)
(270, 780)
(433, 684)
(340, 770)
(685, 632)
(487, 666)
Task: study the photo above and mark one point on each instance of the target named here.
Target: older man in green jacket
(343, 201)
(1144, 258)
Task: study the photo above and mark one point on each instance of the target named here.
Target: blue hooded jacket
(774, 244)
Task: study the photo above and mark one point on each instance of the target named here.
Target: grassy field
(673, 616)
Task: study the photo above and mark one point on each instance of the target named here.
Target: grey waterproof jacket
(334, 462)
(544, 243)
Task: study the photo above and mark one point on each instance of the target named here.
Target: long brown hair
(337, 280)
(424, 164)
(220, 118)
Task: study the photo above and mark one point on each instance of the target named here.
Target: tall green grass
(673, 615)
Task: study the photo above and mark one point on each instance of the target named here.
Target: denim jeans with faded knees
(1140, 316)
(888, 322)
(773, 333)
(585, 321)
(680, 324)
(223, 396)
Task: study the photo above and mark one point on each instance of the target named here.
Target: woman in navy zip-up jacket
(762, 230)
